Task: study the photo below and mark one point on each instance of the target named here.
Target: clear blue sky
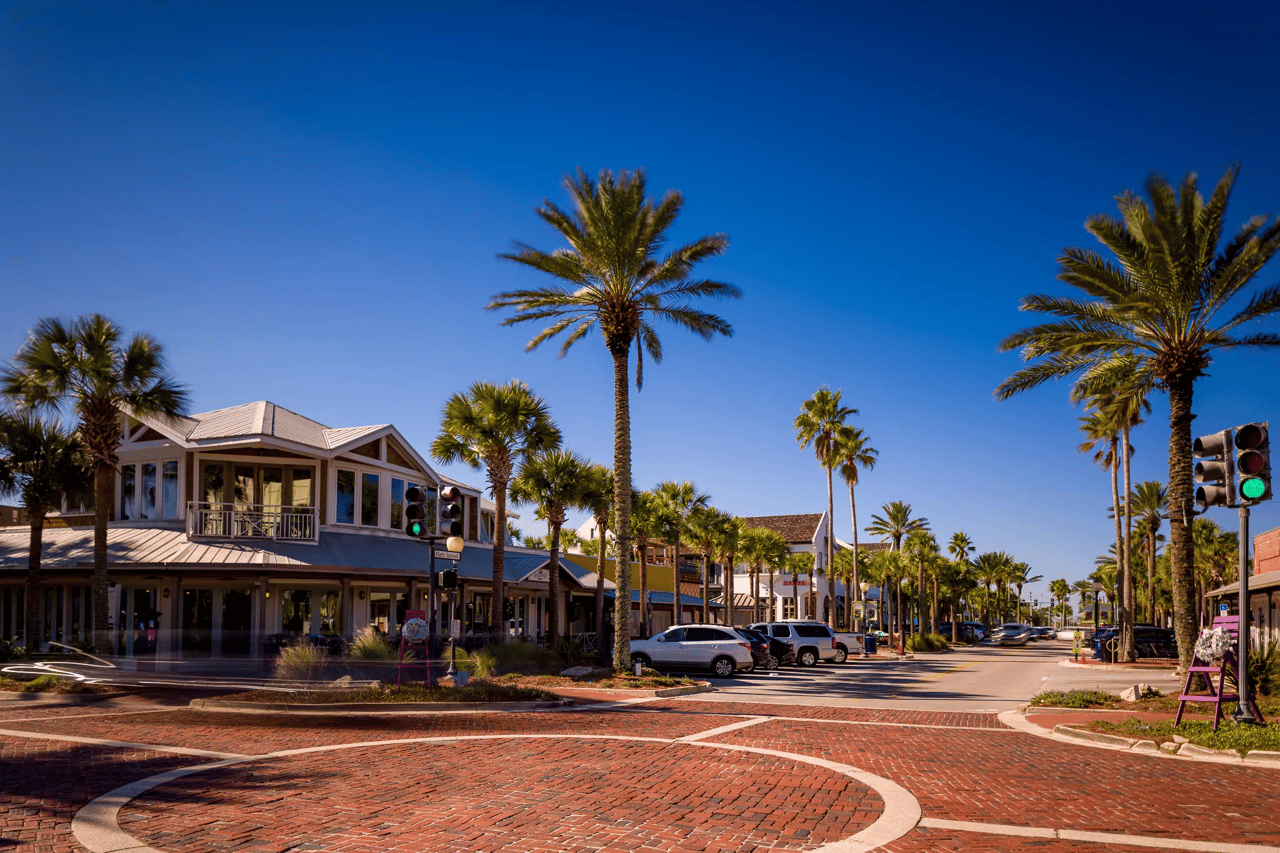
(305, 203)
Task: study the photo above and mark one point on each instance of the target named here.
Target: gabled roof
(794, 528)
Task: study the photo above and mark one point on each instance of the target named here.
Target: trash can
(870, 643)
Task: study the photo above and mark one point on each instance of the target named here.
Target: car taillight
(833, 643)
(746, 646)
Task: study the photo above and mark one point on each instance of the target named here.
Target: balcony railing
(253, 521)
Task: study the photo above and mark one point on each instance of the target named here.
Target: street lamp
(454, 545)
(864, 622)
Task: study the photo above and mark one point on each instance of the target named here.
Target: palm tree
(1021, 576)
(990, 569)
(895, 524)
(853, 453)
(1061, 591)
(554, 480)
(612, 277)
(596, 497)
(819, 423)
(751, 550)
(493, 427)
(1085, 590)
(1155, 314)
(679, 500)
(959, 548)
(44, 464)
(798, 564)
(1150, 501)
(87, 365)
(705, 526)
(727, 545)
(920, 546)
(646, 523)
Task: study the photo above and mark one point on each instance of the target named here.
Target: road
(974, 679)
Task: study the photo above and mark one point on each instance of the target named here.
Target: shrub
(572, 652)
(9, 651)
(1075, 699)
(927, 643)
(302, 662)
(371, 645)
(55, 684)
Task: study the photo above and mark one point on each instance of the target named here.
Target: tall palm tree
(777, 553)
(1160, 312)
(679, 500)
(44, 464)
(87, 365)
(1150, 501)
(990, 569)
(554, 480)
(494, 427)
(597, 498)
(819, 423)
(798, 564)
(611, 276)
(854, 452)
(751, 550)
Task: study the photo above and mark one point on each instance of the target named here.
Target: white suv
(813, 641)
(720, 648)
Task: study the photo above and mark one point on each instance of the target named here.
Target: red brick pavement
(572, 793)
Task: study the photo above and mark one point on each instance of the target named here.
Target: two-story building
(233, 527)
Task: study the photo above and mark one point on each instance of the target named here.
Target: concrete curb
(1110, 667)
(1187, 751)
(374, 707)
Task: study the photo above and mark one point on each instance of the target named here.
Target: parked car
(1148, 642)
(718, 648)
(973, 631)
(1044, 633)
(1011, 634)
(776, 651)
(813, 641)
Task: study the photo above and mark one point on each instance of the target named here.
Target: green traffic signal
(1253, 488)
(415, 528)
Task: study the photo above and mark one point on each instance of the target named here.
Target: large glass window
(302, 487)
(345, 505)
(272, 486)
(214, 487)
(148, 492)
(128, 483)
(397, 503)
(369, 501)
(169, 490)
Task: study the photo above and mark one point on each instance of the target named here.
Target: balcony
(253, 521)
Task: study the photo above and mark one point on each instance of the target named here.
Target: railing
(252, 521)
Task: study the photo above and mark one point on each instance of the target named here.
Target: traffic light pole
(1242, 713)
(431, 615)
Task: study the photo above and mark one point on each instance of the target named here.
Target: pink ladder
(1204, 669)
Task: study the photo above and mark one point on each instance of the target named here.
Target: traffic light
(1215, 471)
(1253, 463)
(415, 511)
(450, 511)
(448, 579)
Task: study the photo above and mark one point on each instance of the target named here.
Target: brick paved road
(670, 775)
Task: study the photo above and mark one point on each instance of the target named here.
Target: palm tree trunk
(755, 594)
(831, 553)
(645, 622)
(32, 618)
(1127, 593)
(103, 479)
(499, 592)
(553, 588)
(855, 591)
(1181, 547)
(706, 589)
(1151, 578)
(933, 612)
(601, 652)
(773, 609)
(675, 578)
(620, 351)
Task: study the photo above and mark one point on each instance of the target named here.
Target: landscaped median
(507, 692)
(1146, 725)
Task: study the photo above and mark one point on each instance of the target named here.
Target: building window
(169, 490)
(147, 496)
(346, 497)
(128, 484)
(789, 608)
(397, 503)
(369, 501)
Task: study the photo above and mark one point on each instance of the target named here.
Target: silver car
(716, 647)
(1011, 634)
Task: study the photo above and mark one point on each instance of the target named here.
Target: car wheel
(643, 660)
(842, 654)
(772, 663)
(807, 657)
(723, 667)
